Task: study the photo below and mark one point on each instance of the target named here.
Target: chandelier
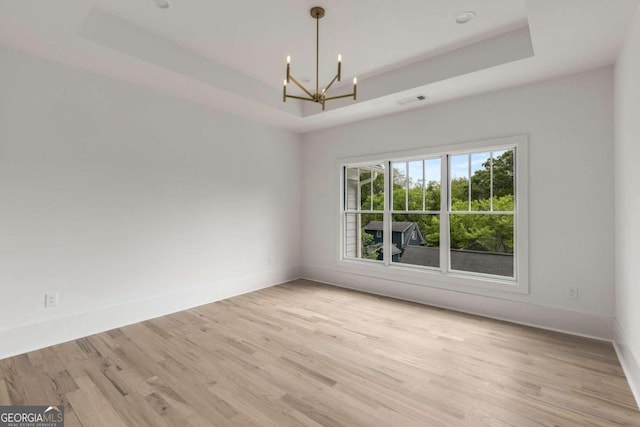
(319, 96)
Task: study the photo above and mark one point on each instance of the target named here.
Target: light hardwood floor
(304, 354)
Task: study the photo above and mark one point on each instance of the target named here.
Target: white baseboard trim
(34, 336)
(550, 318)
(630, 363)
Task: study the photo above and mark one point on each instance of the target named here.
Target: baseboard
(550, 318)
(29, 337)
(628, 359)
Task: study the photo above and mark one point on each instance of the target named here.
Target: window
(481, 212)
(457, 213)
(364, 211)
(416, 206)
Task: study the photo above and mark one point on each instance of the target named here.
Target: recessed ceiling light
(464, 17)
(162, 4)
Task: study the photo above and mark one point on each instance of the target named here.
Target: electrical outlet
(572, 293)
(51, 299)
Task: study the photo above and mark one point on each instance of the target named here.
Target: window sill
(434, 278)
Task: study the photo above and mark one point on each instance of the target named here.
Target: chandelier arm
(348, 95)
(326, 89)
(300, 97)
(297, 83)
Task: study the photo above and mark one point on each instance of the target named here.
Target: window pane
(416, 191)
(371, 236)
(481, 182)
(416, 239)
(351, 189)
(363, 236)
(351, 235)
(378, 187)
(503, 180)
(432, 178)
(459, 182)
(482, 243)
(365, 188)
(399, 186)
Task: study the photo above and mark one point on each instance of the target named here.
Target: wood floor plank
(5, 400)
(305, 354)
(146, 412)
(71, 419)
(92, 407)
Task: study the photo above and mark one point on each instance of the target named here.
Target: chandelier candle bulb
(288, 68)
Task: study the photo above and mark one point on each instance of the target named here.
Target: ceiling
(230, 55)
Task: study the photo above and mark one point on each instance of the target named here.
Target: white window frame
(443, 277)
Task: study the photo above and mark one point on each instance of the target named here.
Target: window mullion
(469, 183)
(491, 181)
(445, 200)
(371, 187)
(424, 185)
(406, 190)
(358, 218)
(516, 217)
(386, 216)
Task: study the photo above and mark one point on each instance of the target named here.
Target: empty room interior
(320, 213)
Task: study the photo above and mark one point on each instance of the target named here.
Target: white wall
(569, 122)
(132, 204)
(627, 204)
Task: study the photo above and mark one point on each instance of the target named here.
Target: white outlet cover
(51, 299)
(572, 293)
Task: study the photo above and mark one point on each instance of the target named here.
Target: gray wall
(627, 206)
(569, 122)
(130, 203)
